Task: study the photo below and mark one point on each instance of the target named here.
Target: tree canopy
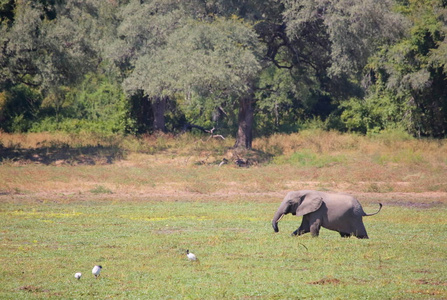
(247, 68)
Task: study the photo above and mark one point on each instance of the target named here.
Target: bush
(97, 105)
(19, 107)
(370, 115)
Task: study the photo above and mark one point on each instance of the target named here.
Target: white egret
(96, 270)
(191, 256)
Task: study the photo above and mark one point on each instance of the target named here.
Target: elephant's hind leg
(360, 231)
(362, 236)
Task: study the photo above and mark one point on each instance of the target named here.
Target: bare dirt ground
(415, 200)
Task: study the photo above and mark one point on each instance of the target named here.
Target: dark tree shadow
(90, 155)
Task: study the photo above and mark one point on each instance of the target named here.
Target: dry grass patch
(190, 164)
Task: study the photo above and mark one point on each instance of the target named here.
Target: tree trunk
(244, 135)
(158, 108)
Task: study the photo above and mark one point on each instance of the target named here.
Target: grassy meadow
(135, 205)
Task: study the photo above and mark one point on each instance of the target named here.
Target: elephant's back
(346, 203)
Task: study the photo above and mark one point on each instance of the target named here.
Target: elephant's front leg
(315, 226)
(304, 227)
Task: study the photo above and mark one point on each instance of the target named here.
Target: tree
(354, 29)
(6, 11)
(217, 60)
(327, 45)
(413, 71)
(142, 30)
(48, 48)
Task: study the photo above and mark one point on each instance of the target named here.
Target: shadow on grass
(65, 155)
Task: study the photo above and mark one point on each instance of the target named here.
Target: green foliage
(363, 66)
(6, 11)
(209, 59)
(279, 100)
(371, 114)
(45, 52)
(100, 100)
(96, 105)
(48, 48)
(355, 29)
(19, 107)
(411, 75)
(210, 64)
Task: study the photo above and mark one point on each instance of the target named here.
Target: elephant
(334, 211)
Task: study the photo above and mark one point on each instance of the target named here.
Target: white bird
(78, 275)
(191, 256)
(96, 270)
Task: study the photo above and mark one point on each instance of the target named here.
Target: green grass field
(66, 207)
(141, 246)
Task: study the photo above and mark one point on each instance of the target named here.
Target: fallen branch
(224, 161)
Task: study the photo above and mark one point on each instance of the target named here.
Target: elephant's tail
(380, 207)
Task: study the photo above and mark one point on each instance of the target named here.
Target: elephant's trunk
(275, 225)
(278, 216)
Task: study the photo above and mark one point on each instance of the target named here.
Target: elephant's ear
(310, 203)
